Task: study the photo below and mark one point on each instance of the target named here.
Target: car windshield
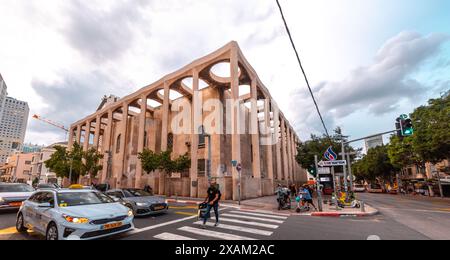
(73, 199)
(15, 188)
(136, 193)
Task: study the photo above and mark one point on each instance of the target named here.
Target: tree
(91, 165)
(162, 161)
(401, 153)
(431, 139)
(376, 165)
(317, 146)
(150, 160)
(82, 163)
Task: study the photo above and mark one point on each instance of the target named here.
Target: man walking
(212, 200)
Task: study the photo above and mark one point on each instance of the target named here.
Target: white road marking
(172, 237)
(214, 234)
(253, 218)
(238, 228)
(266, 212)
(140, 230)
(258, 215)
(250, 223)
(374, 238)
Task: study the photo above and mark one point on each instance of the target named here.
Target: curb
(342, 214)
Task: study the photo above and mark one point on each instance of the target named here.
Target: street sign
(330, 155)
(332, 163)
(325, 170)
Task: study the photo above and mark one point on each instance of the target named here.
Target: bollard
(363, 207)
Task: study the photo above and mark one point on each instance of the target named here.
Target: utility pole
(344, 168)
(319, 186)
(350, 175)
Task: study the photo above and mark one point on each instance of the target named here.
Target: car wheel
(52, 232)
(20, 225)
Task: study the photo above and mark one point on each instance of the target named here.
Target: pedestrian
(307, 198)
(148, 189)
(212, 200)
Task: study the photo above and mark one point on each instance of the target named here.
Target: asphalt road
(401, 218)
(428, 216)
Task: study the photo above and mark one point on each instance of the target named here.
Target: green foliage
(376, 165)
(91, 164)
(431, 139)
(83, 163)
(318, 146)
(152, 161)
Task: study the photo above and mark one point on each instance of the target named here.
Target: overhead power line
(303, 71)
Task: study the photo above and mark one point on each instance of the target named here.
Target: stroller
(202, 210)
(301, 205)
(284, 200)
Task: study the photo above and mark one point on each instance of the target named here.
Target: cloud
(378, 88)
(74, 96)
(102, 32)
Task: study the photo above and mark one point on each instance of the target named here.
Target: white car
(13, 194)
(71, 214)
(359, 188)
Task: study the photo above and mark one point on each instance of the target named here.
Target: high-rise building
(13, 123)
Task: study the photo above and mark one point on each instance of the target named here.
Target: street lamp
(208, 163)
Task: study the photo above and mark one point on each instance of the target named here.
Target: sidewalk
(330, 211)
(270, 204)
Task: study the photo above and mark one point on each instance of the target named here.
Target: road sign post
(239, 169)
(319, 188)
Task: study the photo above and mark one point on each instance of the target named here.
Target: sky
(367, 61)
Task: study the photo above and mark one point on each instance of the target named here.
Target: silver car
(141, 202)
(13, 194)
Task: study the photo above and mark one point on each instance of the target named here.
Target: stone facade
(248, 129)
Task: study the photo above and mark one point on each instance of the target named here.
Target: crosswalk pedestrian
(235, 225)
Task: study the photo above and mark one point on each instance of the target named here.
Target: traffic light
(312, 170)
(404, 126)
(398, 126)
(408, 128)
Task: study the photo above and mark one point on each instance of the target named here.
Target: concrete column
(78, 135)
(235, 137)
(164, 133)
(284, 152)
(278, 147)
(196, 121)
(269, 153)
(165, 117)
(107, 146)
(122, 149)
(289, 153)
(256, 165)
(141, 141)
(71, 137)
(87, 134)
(98, 125)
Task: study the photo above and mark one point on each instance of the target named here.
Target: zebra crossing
(235, 225)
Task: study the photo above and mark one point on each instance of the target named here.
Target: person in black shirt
(212, 199)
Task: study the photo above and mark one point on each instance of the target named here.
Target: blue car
(73, 214)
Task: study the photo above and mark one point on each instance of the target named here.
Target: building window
(170, 142)
(145, 140)
(118, 143)
(201, 167)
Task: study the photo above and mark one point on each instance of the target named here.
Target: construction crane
(47, 121)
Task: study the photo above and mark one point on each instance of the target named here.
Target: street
(400, 218)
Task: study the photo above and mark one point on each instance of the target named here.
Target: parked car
(375, 188)
(359, 188)
(141, 202)
(445, 179)
(13, 194)
(66, 214)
